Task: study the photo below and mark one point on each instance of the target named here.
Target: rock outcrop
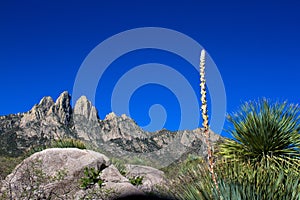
(56, 174)
(86, 120)
(84, 108)
(62, 108)
(44, 122)
(151, 177)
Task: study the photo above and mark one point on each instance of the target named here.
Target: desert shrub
(138, 180)
(91, 177)
(35, 149)
(68, 143)
(120, 165)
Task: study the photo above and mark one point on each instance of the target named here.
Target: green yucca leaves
(261, 162)
(263, 130)
(237, 181)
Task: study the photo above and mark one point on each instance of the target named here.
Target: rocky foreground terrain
(57, 173)
(115, 137)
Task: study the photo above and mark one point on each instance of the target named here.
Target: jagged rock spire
(63, 107)
(85, 108)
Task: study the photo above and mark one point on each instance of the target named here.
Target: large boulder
(151, 178)
(56, 173)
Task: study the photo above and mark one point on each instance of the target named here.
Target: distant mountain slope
(117, 136)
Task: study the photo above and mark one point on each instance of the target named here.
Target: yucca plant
(262, 161)
(237, 181)
(264, 131)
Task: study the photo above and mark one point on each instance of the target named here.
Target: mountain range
(115, 136)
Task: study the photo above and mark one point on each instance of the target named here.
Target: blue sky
(255, 45)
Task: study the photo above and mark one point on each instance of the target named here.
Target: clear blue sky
(255, 44)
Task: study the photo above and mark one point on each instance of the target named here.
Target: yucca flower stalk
(205, 117)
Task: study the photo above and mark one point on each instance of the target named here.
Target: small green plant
(35, 149)
(60, 175)
(138, 180)
(68, 143)
(123, 172)
(91, 177)
(120, 165)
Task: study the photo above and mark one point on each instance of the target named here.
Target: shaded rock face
(63, 109)
(117, 136)
(56, 173)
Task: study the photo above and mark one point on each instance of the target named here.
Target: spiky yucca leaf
(238, 181)
(264, 130)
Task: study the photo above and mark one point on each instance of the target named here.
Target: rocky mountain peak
(59, 111)
(46, 102)
(63, 98)
(110, 116)
(116, 127)
(38, 111)
(86, 109)
(124, 117)
(62, 107)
